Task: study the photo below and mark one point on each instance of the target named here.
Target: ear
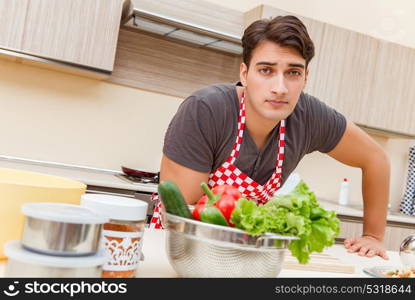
(243, 73)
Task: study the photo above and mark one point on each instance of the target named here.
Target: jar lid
(61, 212)
(116, 207)
(14, 250)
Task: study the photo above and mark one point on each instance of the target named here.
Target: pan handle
(139, 173)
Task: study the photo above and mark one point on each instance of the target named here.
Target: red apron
(228, 173)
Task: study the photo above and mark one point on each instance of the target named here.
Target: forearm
(187, 180)
(375, 190)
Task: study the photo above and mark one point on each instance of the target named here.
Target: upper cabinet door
(83, 32)
(12, 18)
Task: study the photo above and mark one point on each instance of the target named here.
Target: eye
(265, 70)
(294, 73)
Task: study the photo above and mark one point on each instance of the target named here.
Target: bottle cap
(116, 207)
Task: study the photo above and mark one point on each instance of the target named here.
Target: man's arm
(187, 180)
(357, 149)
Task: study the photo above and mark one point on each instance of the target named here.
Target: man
(253, 135)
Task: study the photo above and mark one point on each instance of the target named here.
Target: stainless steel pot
(24, 263)
(61, 229)
(197, 249)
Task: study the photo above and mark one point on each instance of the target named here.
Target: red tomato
(227, 190)
(199, 207)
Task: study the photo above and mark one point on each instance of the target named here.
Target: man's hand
(366, 246)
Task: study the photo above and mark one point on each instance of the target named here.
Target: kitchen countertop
(105, 179)
(156, 263)
(357, 211)
(94, 178)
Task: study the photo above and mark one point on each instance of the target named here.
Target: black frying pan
(141, 174)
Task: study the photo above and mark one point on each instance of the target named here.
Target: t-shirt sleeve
(189, 139)
(325, 125)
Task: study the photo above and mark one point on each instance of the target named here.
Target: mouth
(276, 103)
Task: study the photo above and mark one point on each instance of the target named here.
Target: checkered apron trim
(155, 221)
(228, 173)
(408, 201)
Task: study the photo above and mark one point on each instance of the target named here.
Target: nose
(278, 85)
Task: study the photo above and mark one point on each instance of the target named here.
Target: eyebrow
(292, 65)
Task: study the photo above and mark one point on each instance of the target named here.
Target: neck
(258, 127)
(259, 130)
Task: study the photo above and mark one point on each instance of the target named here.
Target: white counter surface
(109, 180)
(356, 211)
(156, 263)
(88, 177)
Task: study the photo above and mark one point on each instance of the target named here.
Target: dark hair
(286, 31)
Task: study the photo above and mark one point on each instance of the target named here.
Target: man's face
(274, 80)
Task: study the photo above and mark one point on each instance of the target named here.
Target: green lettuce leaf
(296, 214)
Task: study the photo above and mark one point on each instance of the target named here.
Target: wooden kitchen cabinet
(12, 18)
(201, 13)
(369, 80)
(68, 35)
(83, 32)
(150, 62)
(395, 232)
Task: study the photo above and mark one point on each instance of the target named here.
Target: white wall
(324, 174)
(53, 116)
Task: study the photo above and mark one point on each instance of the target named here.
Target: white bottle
(344, 192)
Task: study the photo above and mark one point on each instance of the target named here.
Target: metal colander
(197, 249)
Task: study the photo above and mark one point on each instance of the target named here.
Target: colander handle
(270, 240)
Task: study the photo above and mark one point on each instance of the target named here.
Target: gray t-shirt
(201, 134)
